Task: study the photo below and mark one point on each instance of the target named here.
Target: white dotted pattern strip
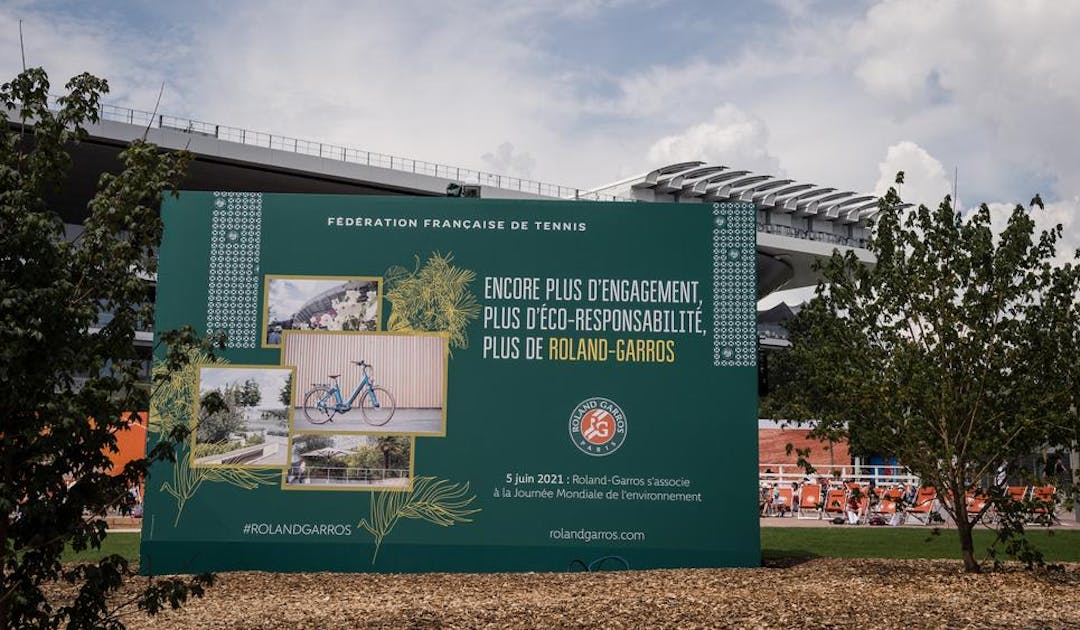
(734, 255)
(233, 286)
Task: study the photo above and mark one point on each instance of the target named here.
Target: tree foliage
(285, 396)
(66, 382)
(220, 415)
(248, 394)
(956, 352)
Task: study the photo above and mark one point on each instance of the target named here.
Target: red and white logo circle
(597, 426)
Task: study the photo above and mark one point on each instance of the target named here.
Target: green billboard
(432, 384)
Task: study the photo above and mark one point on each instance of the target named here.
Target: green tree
(956, 352)
(220, 415)
(66, 383)
(286, 392)
(248, 394)
(394, 450)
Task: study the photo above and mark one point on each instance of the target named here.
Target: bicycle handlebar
(360, 363)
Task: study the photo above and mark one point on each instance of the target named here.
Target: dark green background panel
(694, 418)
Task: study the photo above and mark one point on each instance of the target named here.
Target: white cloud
(1063, 212)
(1004, 72)
(505, 160)
(730, 137)
(925, 180)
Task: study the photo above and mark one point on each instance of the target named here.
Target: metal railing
(343, 475)
(786, 474)
(812, 235)
(345, 154)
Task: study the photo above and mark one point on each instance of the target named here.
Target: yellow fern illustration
(434, 500)
(434, 297)
(172, 405)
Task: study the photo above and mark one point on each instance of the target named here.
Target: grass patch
(889, 542)
(124, 543)
(787, 543)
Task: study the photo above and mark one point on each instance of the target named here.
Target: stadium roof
(698, 181)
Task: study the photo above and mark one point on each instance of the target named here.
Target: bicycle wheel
(313, 412)
(377, 415)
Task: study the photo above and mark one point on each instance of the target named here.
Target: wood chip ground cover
(821, 593)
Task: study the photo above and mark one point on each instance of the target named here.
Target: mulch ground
(822, 593)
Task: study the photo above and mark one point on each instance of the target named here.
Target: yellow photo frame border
(399, 333)
(193, 422)
(320, 488)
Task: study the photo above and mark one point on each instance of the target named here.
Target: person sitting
(765, 500)
(856, 508)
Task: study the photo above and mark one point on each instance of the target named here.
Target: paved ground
(275, 453)
(405, 420)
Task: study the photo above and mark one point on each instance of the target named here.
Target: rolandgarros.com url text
(595, 535)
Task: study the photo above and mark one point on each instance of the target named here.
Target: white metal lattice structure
(797, 222)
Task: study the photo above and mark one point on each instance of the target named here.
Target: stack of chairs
(1043, 500)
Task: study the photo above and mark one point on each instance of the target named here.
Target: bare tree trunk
(965, 528)
(967, 544)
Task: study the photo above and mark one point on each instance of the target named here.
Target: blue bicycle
(322, 402)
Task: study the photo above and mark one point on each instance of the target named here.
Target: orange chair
(887, 501)
(1043, 511)
(923, 509)
(782, 502)
(1017, 493)
(810, 501)
(835, 502)
(976, 502)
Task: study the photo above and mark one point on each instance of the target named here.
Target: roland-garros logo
(597, 426)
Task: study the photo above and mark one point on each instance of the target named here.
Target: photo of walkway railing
(347, 476)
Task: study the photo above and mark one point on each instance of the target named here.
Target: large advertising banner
(434, 384)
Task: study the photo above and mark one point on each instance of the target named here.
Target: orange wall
(772, 448)
(131, 442)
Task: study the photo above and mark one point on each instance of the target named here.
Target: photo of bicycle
(368, 382)
(324, 401)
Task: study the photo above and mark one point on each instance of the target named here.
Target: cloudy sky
(585, 92)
